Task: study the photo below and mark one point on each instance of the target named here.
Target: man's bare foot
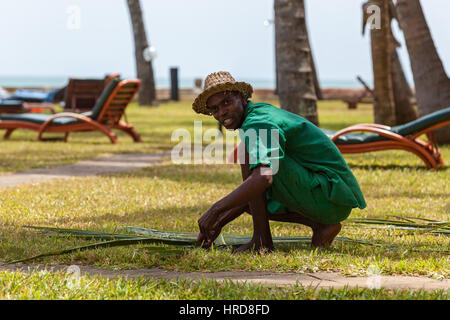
(324, 235)
(256, 245)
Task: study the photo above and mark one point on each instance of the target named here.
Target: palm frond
(138, 235)
(111, 243)
(411, 224)
(82, 233)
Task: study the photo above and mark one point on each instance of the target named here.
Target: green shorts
(300, 192)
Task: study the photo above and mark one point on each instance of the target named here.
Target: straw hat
(219, 82)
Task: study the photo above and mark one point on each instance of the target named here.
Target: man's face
(227, 108)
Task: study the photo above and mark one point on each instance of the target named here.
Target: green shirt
(311, 175)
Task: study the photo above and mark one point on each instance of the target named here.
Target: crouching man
(292, 171)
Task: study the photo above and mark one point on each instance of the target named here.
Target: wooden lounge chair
(375, 137)
(36, 96)
(14, 106)
(105, 115)
(403, 137)
(365, 97)
(81, 94)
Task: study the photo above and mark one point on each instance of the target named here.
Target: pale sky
(41, 38)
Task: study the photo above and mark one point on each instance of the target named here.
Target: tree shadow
(182, 173)
(143, 218)
(397, 252)
(391, 167)
(407, 194)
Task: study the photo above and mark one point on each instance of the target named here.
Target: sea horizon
(22, 81)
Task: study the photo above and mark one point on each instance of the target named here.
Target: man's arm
(234, 204)
(258, 181)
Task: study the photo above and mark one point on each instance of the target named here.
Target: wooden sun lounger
(380, 137)
(428, 151)
(104, 117)
(402, 137)
(81, 94)
(365, 97)
(24, 107)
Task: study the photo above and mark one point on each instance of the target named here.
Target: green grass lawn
(172, 197)
(45, 285)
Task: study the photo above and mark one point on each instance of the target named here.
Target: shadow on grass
(374, 247)
(154, 218)
(90, 137)
(391, 167)
(226, 174)
(379, 194)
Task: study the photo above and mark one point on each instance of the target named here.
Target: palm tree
(431, 81)
(403, 96)
(381, 46)
(147, 93)
(392, 103)
(295, 70)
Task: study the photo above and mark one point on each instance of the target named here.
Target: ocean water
(60, 81)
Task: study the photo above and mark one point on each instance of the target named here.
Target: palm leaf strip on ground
(234, 239)
(184, 239)
(405, 223)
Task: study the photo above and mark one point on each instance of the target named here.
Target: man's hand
(209, 233)
(210, 227)
(231, 206)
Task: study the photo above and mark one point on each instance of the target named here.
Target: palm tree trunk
(316, 79)
(404, 109)
(431, 82)
(295, 71)
(382, 49)
(147, 92)
(315, 74)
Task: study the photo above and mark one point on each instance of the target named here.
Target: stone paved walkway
(323, 280)
(115, 163)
